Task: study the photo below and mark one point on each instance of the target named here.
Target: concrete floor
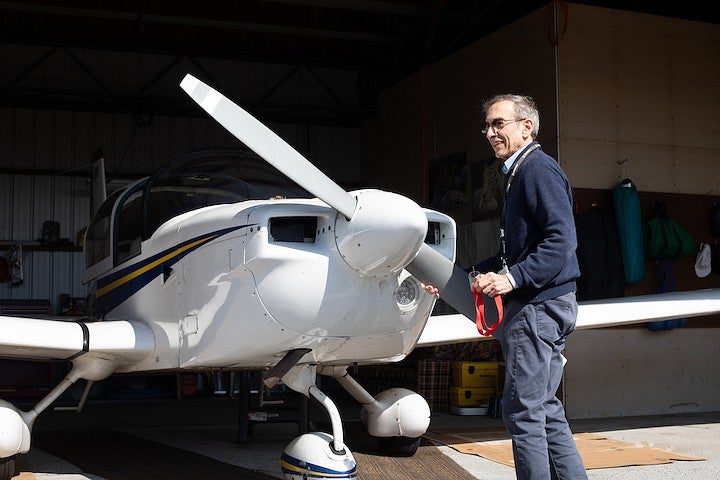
(209, 427)
(691, 434)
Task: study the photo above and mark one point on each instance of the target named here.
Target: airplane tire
(7, 468)
(399, 446)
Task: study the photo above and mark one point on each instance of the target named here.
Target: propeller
(432, 268)
(395, 212)
(268, 145)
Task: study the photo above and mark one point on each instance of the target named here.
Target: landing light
(407, 293)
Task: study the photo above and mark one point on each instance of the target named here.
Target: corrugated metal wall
(47, 275)
(25, 203)
(60, 140)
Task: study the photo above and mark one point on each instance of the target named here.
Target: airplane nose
(384, 234)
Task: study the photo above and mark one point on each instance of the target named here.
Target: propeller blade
(432, 268)
(268, 145)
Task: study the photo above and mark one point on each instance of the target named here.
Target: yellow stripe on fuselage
(149, 266)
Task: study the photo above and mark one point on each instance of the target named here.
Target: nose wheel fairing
(398, 417)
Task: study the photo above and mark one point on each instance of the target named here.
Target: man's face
(506, 133)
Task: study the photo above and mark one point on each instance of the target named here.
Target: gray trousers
(532, 337)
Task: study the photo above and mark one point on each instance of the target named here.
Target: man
(535, 272)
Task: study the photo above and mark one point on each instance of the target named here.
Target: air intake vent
(433, 233)
(293, 229)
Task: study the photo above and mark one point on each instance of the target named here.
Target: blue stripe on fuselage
(117, 287)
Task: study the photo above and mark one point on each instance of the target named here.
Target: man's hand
(430, 290)
(492, 284)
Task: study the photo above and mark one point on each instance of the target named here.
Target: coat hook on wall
(622, 161)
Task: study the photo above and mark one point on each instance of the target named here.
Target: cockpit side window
(97, 237)
(129, 225)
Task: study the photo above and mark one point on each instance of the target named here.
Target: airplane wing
(457, 328)
(121, 342)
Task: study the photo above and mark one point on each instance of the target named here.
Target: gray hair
(523, 106)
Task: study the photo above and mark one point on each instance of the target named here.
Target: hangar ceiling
(382, 40)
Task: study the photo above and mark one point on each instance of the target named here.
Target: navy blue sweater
(540, 234)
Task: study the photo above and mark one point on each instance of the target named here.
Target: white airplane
(217, 261)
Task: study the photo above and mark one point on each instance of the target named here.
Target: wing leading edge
(122, 342)
(448, 329)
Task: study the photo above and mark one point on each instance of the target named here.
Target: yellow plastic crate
(471, 397)
(478, 374)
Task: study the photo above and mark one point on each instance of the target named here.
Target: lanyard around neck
(513, 171)
(516, 166)
(511, 175)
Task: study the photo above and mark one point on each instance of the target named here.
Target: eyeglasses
(498, 124)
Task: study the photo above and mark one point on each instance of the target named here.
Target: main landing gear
(16, 425)
(397, 417)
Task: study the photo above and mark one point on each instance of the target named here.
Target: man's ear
(527, 128)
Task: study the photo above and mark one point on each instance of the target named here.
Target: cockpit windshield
(187, 182)
(211, 177)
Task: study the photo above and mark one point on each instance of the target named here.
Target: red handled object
(487, 309)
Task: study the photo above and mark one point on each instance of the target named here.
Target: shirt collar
(507, 164)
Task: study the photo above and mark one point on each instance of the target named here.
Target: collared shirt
(507, 164)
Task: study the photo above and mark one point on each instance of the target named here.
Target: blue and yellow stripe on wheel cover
(117, 287)
(293, 466)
